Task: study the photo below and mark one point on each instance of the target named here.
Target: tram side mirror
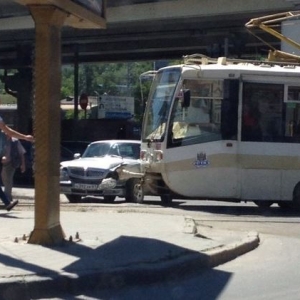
(186, 99)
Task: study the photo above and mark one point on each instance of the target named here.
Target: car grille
(87, 173)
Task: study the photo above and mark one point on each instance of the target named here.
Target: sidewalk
(109, 249)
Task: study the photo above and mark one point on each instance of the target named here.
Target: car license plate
(82, 186)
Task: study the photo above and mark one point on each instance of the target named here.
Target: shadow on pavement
(118, 264)
(128, 261)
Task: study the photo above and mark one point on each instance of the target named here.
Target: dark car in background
(27, 178)
(87, 175)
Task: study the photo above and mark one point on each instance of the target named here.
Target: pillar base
(47, 237)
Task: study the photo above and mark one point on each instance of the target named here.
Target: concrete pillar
(46, 109)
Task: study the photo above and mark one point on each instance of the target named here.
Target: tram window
(292, 124)
(199, 122)
(263, 112)
(229, 115)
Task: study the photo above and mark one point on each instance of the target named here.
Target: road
(269, 272)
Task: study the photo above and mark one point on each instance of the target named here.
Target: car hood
(106, 162)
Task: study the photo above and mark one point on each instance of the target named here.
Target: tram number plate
(82, 186)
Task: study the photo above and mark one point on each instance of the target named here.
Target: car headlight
(64, 175)
(107, 183)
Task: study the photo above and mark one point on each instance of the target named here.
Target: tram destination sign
(82, 13)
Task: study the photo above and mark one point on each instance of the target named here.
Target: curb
(34, 287)
(228, 251)
(233, 250)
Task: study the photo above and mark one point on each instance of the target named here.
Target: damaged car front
(96, 172)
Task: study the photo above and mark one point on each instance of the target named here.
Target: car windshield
(126, 150)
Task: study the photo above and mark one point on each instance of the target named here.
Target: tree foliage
(117, 79)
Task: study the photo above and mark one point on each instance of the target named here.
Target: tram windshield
(159, 103)
(188, 111)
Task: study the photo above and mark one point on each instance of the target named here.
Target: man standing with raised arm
(12, 133)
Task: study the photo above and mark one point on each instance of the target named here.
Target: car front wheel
(134, 191)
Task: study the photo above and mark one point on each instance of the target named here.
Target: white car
(94, 173)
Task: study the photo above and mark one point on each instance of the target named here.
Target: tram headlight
(154, 156)
(158, 155)
(143, 155)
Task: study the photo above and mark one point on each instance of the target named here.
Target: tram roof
(226, 66)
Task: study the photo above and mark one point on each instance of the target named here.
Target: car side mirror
(77, 155)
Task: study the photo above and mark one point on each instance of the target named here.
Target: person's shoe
(11, 205)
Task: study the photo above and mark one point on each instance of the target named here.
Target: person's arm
(13, 133)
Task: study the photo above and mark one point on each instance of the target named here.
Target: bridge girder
(151, 30)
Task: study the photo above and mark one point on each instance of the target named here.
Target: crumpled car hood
(106, 162)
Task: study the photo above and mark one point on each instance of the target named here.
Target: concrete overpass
(145, 29)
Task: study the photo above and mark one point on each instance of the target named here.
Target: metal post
(76, 91)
